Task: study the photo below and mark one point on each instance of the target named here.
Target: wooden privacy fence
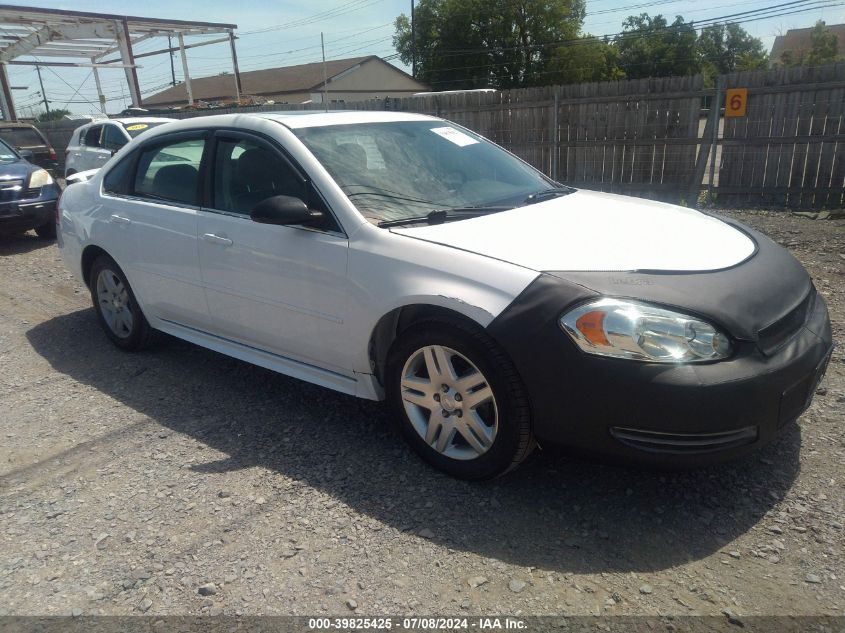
(789, 149)
(59, 133)
(654, 138)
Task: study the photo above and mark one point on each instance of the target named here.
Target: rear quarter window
(92, 136)
(116, 182)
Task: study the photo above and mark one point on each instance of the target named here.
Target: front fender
(389, 271)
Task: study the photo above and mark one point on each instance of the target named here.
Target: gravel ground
(179, 481)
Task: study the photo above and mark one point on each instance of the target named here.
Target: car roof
(138, 119)
(10, 124)
(130, 120)
(297, 119)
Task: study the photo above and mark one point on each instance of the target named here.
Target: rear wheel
(458, 400)
(117, 309)
(46, 231)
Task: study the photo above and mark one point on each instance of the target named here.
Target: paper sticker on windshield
(136, 127)
(455, 136)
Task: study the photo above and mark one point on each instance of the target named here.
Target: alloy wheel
(113, 298)
(449, 402)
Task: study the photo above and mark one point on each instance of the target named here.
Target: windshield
(7, 154)
(134, 129)
(404, 169)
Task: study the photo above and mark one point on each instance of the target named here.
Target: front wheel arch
(391, 325)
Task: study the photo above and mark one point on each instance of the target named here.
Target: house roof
(270, 81)
(799, 41)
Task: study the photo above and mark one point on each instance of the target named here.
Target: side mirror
(26, 154)
(284, 210)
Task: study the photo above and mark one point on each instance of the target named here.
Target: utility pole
(325, 78)
(172, 68)
(413, 43)
(43, 93)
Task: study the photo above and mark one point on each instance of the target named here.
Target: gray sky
(352, 28)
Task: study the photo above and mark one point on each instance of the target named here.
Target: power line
(752, 15)
(356, 5)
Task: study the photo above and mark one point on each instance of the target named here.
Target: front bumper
(668, 415)
(676, 414)
(27, 214)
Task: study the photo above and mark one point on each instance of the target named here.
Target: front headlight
(40, 178)
(639, 331)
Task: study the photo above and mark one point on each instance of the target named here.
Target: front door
(281, 289)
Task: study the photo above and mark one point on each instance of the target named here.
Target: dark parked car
(28, 195)
(27, 138)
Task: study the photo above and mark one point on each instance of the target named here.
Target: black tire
(140, 335)
(514, 440)
(46, 231)
(70, 172)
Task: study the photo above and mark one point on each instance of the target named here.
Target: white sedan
(402, 257)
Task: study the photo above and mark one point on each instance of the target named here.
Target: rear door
(282, 289)
(158, 211)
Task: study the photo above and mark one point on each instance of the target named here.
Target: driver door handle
(119, 219)
(217, 239)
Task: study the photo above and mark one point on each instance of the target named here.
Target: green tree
(586, 59)
(824, 49)
(52, 115)
(825, 45)
(462, 44)
(652, 47)
(725, 48)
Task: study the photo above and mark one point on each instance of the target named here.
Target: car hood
(592, 231)
(81, 176)
(20, 169)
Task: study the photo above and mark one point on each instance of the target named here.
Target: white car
(400, 256)
(93, 144)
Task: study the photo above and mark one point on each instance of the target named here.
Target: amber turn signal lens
(591, 325)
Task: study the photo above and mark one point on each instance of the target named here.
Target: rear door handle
(119, 219)
(217, 239)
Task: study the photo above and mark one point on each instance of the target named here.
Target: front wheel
(458, 400)
(117, 309)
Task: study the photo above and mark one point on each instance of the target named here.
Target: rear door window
(170, 172)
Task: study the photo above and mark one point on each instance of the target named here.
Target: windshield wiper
(439, 216)
(545, 194)
(384, 193)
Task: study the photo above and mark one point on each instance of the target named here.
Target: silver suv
(92, 144)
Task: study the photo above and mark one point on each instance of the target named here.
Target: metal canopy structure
(53, 37)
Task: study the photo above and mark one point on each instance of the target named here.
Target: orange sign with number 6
(736, 101)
